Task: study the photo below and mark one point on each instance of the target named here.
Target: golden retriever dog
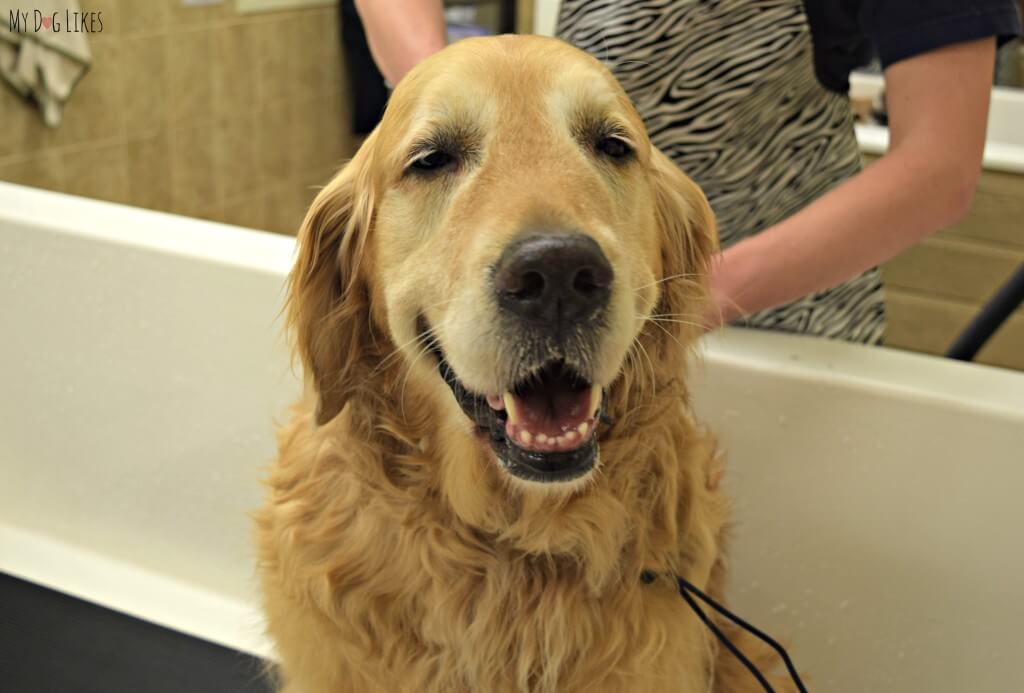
(493, 303)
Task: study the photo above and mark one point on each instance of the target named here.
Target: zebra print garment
(727, 90)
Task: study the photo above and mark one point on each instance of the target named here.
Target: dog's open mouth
(543, 428)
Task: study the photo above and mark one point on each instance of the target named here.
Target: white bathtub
(878, 493)
(1004, 143)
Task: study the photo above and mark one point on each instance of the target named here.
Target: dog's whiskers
(686, 277)
(740, 310)
(422, 351)
(674, 315)
(690, 323)
(398, 350)
(395, 353)
(632, 360)
(667, 333)
(650, 367)
(656, 321)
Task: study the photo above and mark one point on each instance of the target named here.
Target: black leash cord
(725, 641)
(685, 588)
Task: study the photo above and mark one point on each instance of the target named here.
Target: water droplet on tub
(843, 604)
(779, 608)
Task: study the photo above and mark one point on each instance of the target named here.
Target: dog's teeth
(570, 436)
(510, 407)
(541, 438)
(526, 437)
(584, 429)
(595, 400)
(496, 402)
(560, 441)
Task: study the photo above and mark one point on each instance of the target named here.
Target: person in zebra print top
(748, 97)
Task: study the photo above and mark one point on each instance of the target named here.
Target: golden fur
(395, 554)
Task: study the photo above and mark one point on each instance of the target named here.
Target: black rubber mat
(53, 643)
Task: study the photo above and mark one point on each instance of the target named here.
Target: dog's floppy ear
(328, 295)
(689, 239)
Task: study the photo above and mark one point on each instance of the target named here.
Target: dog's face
(511, 231)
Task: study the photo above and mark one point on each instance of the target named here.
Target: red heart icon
(47, 21)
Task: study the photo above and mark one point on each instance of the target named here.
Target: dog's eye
(431, 161)
(614, 148)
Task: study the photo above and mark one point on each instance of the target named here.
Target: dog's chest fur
(389, 590)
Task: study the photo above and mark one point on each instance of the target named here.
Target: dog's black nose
(553, 279)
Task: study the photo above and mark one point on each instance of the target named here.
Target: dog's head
(510, 238)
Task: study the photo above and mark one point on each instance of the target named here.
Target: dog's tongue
(554, 416)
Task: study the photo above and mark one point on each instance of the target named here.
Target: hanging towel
(44, 50)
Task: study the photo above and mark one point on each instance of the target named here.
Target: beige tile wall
(936, 288)
(194, 110)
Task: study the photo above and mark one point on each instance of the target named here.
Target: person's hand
(722, 307)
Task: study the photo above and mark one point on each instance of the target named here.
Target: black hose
(991, 317)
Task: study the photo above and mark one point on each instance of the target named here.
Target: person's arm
(401, 33)
(938, 113)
